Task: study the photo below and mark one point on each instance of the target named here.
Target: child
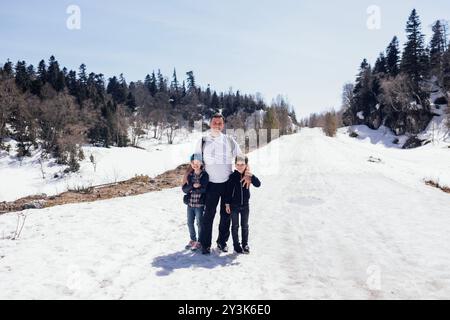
(237, 202)
(195, 190)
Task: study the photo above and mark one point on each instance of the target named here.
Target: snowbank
(113, 164)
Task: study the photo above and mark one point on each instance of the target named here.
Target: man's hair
(241, 158)
(218, 115)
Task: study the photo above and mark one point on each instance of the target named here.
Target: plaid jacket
(196, 195)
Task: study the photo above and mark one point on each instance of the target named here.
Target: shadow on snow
(186, 259)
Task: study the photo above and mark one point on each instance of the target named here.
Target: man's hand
(228, 208)
(247, 179)
(197, 185)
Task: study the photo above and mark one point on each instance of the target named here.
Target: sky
(303, 50)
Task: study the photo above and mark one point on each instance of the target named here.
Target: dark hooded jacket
(237, 194)
(188, 188)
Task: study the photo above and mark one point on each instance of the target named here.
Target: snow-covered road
(326, 223)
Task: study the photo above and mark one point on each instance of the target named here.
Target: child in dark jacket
(195, 190)
(237, 202)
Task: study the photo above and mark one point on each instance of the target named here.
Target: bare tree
(155, 119)
(347, 95)
(282, 108)
(21, 218)
(171, 127)
(330, 126)
(236, 121)
(137, 129)
(399, 93)
(94, 162)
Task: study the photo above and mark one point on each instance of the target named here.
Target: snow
(360, 115)
(325, 224)
(437, 133)
(113, 164)
(382, 135)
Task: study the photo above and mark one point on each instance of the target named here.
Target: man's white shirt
(218, 156)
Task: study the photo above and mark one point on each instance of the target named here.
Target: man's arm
(198, 146)
(228, 194)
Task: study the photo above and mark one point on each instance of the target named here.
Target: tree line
(58, 110)
(397, 90)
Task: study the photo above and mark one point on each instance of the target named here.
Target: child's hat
(197, 156)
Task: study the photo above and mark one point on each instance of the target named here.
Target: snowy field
(326, 223)
(112, 165)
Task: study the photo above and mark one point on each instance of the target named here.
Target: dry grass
(437, 185)
(134, 186)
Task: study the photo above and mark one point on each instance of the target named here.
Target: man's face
(217, 124)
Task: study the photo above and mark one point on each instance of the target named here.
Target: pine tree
(174, 84)
(8, 69)
(42, 72)
(100, 86)
(22, 78)
(30, 71)
(445, 75)
(207, 97)
(82, 93)
(147, 82)
(131, 102)
(35, 83)
(215, 103)
(53, 74)
(437, 46)
(380, 65)
(82, 77)
(190, 81)
(123, 90)
(414, 59)
(153, 88)
(162, 83)
(364, 98)
(72, 83)
(117, 89)
(393, 58)
(183, 89)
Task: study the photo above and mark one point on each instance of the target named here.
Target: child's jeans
(243, 211)
(194, 214)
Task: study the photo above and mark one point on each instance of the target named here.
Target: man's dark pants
(214, 193)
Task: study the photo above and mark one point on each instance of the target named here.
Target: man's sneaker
(223, 248)
(190, 245)
(196, 246)
(206, 250)
(238, 249)
(246, 249)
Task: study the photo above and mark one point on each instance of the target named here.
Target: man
(218, 151)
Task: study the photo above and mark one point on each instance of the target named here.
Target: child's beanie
(197, 156)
